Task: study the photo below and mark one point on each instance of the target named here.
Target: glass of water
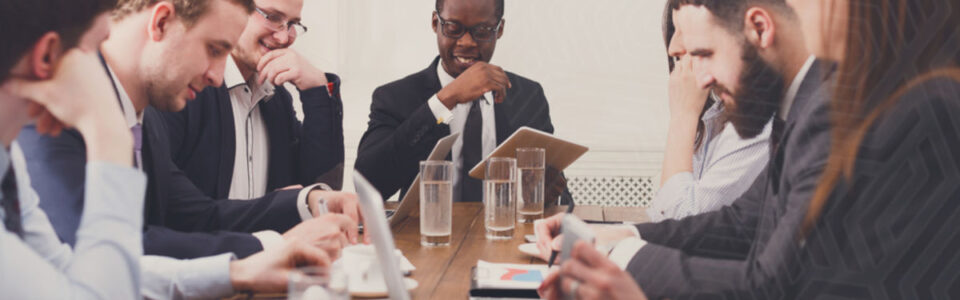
(530, 162)
(315, 283)
(500, 198)
(436, 200)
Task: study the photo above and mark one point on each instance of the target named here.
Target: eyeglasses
(455, 30)
(280, 23)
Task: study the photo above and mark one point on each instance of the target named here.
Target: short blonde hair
(189, 11)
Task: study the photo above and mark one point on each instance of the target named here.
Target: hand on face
(590, 275)
(78, 95)
(286, 65)
(268, 271)
(473, 83)
(687, 95)
(330, 233)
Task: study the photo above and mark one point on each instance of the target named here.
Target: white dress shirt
(457, 119)
(252, 151)
(105, 262)
(712, 191)
(252, 156)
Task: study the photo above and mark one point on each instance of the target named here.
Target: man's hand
(337, 202)
(548, 234)
(590, 275)
(473, 83)
(330, 232)
(286, 65)
(267, 271)
(79, 95)
(687, 97)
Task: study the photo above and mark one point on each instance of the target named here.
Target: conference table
(444, 272)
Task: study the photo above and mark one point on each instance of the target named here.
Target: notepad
(509, 276)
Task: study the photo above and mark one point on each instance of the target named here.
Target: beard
(162, 95)
(758, 98)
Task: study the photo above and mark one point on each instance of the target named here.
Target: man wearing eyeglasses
(242, 139)
(460, 92)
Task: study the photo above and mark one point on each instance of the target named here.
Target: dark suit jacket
(890, 230)
(203, 139)
(402, 130)
(180, 221)
(743, 245)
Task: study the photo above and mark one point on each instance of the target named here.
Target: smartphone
(574, 230)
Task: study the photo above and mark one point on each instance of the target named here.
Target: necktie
(11, 204)
(137, 145)
(470, 189)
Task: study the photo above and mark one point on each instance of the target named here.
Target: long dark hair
(668, 30)
(898, 44)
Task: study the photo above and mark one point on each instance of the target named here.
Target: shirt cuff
(439, 110)
(201, 278)
(669, 197)
(268, 238)
(303, 207)
(624, 252)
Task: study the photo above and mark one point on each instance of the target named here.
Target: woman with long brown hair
(882, 223)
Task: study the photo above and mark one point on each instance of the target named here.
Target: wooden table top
(444, 272)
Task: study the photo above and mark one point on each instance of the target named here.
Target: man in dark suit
(180, 221)
(242, 139)
(754, 240)
(460, 92)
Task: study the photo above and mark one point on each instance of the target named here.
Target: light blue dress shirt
(724, 167)
(108, 261)
(105, 263)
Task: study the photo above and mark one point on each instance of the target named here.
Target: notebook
(507, 280)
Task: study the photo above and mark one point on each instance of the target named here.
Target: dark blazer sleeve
(159, 240)
(188, 209)
(395, 143)
(321, 148)
(721, 251)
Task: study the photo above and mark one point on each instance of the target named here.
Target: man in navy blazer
(180, 221)
(460, 92)
(242, 139)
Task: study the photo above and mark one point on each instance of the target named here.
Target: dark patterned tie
(470, 189)
(137, 131)
(11, 204)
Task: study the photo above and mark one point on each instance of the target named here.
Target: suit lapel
(153, 163)
(811, 84)
(228, 142)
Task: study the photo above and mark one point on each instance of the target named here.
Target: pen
(553, 253)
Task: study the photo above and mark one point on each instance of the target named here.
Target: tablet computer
(411, 200)
(560, 153)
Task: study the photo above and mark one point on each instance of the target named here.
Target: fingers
(548, 288)
(306, 255)
(269, 74)
(285, 76)
(346, 225)
(269, 57)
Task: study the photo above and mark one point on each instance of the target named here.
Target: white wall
(601, 64)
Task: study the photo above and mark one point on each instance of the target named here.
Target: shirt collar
(446, 79)
(129, 111)
(233, 78)
(795, 87)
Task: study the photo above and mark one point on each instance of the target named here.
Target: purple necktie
(137, 144)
